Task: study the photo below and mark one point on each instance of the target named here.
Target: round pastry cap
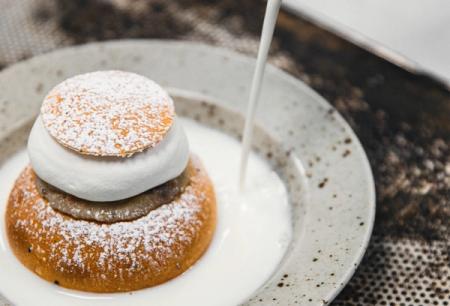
(108, 113)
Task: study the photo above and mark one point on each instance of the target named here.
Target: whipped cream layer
(104, 179)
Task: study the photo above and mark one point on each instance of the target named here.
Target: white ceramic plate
(419, 43)
(333, 210)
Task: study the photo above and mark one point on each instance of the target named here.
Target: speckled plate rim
(225, 75)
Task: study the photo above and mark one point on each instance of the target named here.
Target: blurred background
(383, 65)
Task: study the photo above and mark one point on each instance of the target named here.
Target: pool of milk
(253, 232)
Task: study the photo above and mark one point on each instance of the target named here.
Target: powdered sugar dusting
(117, 251)
(108, 113)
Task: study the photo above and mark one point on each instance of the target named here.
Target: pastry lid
(108, 113)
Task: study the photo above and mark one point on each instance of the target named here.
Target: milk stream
(270, 18)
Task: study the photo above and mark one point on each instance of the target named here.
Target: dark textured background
(401, 119)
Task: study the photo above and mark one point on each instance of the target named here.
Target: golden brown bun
(121, 256)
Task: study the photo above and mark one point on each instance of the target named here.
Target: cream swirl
(107, 178)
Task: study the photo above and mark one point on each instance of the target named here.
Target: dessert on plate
(112, 199)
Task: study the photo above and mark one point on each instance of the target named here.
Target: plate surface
(333, 219)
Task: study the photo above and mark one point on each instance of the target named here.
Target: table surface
(401, 119)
